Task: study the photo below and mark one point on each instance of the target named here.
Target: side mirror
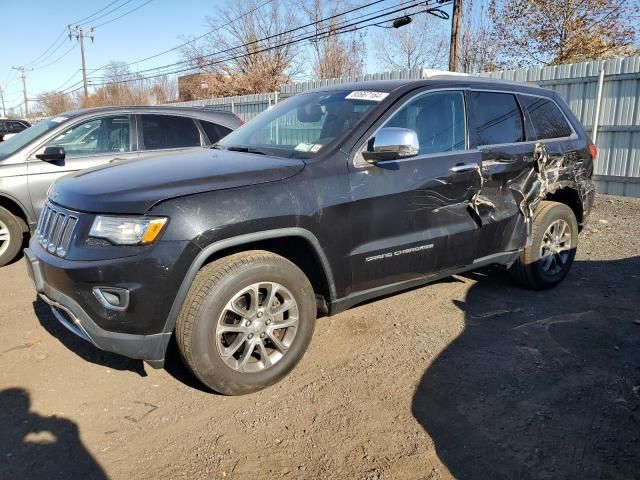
(52, 154)
(392, 143)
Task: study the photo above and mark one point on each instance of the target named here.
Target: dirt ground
(472, 377)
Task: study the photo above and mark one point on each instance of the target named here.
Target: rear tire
(547, 261)
(246, 322)
(11, 236)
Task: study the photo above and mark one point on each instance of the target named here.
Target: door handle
(463, 167)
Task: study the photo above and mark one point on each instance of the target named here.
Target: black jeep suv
(330, 198)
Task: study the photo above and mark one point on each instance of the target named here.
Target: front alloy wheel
(257, 327)
(246, 322)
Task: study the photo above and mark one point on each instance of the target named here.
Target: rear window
(548, 121)
(498, 118)
(214, 131)
(166, 131)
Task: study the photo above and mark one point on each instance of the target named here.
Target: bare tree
(247, 51)
(534, 32)
(52, 103)
(123, 87)
(336, 51)
(478, 50)
(422, 43)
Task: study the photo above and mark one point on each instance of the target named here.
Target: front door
(87, 144)
(410, 217)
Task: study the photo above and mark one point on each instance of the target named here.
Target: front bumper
(70, 314)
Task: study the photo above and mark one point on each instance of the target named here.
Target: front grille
(55, 229)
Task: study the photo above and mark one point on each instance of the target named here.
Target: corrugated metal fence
(609, 89)
(617, 83)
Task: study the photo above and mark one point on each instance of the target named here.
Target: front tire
(246, 322)
(11, 237)
(548, 259)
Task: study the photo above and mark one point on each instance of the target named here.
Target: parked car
(57, 146)
(9, 127)
(329, 199)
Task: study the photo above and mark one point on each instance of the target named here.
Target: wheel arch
(16, 209)
(571, 198)
(298, 245)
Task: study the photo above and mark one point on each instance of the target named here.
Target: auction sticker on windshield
(367, 95)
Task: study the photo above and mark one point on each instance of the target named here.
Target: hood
(134, 186)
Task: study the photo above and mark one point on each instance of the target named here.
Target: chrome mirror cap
(391, 143)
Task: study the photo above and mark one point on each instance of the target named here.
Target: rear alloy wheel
(246, 322)
(554, 240)
(555, 249)
(11, 237)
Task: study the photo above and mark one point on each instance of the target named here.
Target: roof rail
(430, 72)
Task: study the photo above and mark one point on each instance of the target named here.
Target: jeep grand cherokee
(331, 198)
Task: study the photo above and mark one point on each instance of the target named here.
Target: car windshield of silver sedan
(25, 137)
(304, 125)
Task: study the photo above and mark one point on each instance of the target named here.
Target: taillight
(593, 150)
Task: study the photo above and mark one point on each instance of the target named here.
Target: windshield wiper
(234, 148)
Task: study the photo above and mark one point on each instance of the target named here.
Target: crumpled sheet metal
(547, 175)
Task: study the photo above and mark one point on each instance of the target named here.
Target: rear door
(499, 131)
(87, 143)
(409, 216)
(168, 133)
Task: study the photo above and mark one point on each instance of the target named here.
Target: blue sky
(160, 25)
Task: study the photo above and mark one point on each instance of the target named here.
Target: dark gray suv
(56, 146)
(331, 198)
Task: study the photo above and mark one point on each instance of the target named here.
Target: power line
(67, 52)
(67, 80)
(110, 11)
(279, 34)
(48, 50)
(77, 22)
(62, 34)
(351, 27)
(192, 40)
(123, 15)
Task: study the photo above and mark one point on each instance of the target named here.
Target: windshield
(25, 137)
(303, 125)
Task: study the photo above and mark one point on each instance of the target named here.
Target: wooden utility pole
(4, 111)
(23, 74)
(455, 35)
(80, 34)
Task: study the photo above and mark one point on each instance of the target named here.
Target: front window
(303, 125)
(438, 119)
(94, 137)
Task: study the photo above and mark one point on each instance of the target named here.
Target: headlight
(127, 230)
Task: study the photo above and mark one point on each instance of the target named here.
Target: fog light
(113, 298)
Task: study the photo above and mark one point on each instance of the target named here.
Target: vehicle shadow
(36, 447)
(541, 384)
(82, 348)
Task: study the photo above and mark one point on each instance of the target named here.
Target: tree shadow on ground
(81, 347)
(37, 447)
(542, 385)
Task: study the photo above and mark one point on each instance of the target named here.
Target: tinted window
(166, 131)
(98, 136)
(548, 121)
(438, 119)
(498, 118)
(214, 131)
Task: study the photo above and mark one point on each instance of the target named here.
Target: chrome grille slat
(55, 229)
(65, 239)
